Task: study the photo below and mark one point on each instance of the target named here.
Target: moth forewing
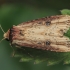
(45, 33)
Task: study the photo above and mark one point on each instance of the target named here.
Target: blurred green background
(13, 12)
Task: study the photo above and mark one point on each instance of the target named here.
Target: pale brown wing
(45, 33)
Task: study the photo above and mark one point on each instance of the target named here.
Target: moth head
(6, 34)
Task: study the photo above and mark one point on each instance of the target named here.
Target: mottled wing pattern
(45, 33)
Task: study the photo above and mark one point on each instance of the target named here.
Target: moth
(45, 34)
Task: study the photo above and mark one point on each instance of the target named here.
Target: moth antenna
(2, 40)
(2, 29)
(3, 32)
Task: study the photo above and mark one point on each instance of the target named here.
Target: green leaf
(65, 12)
(67, 33)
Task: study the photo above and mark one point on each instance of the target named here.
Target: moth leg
(13, 53)
(24, 50)
(27, 52)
